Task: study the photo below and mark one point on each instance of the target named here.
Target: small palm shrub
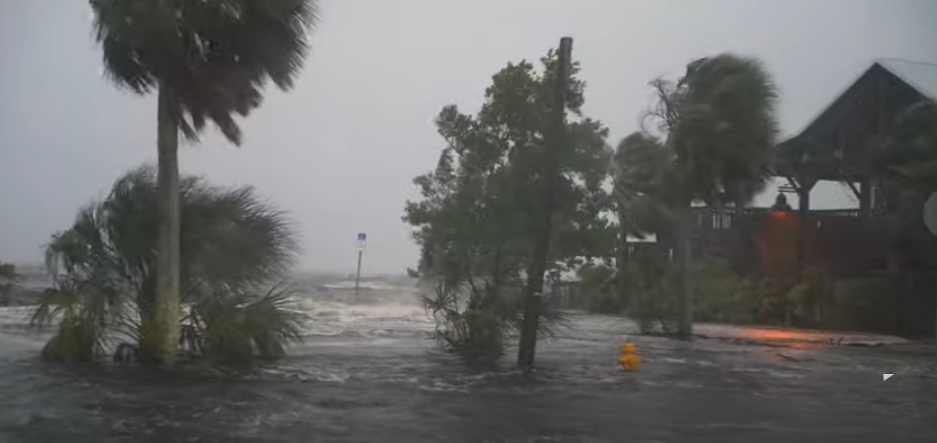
(235, 249)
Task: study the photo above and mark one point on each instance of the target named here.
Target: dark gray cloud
(340, 150)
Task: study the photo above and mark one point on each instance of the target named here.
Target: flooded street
(368, 372)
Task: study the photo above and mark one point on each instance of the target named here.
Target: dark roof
(831, 146)
(919, 75)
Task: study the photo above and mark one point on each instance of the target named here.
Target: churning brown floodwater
(368, 373)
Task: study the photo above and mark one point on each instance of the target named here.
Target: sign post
(362, 239)
(930, 220)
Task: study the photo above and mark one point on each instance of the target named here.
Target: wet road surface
(375, 377)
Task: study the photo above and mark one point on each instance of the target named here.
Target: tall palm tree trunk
(163, 331)
(685, 325)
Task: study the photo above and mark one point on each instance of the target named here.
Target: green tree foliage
(597, 291)
(234, 249)
(643, 194)
(209, 61)
(715, 126)
(643, 191)
(907, 153)
(903, 161)
(472, 222)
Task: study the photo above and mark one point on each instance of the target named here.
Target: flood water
(368, 372)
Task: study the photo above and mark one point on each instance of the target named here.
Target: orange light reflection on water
(788, 338)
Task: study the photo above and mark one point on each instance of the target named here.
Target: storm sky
(340, 150)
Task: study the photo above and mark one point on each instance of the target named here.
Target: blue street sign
(362, 236)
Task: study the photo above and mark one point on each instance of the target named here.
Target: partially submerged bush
(597, 290)
(474, 322)
(721, 296)
(234, 248)
(652, 285)
(235, 328)
(82, 328)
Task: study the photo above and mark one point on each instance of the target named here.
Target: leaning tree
(717, 124)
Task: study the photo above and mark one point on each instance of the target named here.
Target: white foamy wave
(365, 285)
(376, 316)
(323, 309)
(16, 316)
(308, 373)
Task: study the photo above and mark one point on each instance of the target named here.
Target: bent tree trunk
(161, 335)
(685, 325)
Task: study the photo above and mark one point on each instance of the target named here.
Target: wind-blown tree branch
(717, 124)
(209, 61)
(234, 251)
(472, 220)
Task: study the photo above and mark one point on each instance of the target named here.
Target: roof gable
(833, 142)
(918, 75)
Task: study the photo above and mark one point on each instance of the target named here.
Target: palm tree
(207, 60)
(234, 251)
(717, 125)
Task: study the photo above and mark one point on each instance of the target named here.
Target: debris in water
(787, 357)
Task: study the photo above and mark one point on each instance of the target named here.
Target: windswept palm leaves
(234, 249)
(212, 58)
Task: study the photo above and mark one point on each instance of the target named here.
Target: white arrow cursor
(886, 376)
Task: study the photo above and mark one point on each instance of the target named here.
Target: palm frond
(728, 125)
(235, 328)
(212, 56)
(719, 121)
(83, 321)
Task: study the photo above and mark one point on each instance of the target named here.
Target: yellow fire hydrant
(629, 359)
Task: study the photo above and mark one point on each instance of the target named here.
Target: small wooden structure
(832, 147)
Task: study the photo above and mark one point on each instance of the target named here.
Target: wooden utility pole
(548, 171)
